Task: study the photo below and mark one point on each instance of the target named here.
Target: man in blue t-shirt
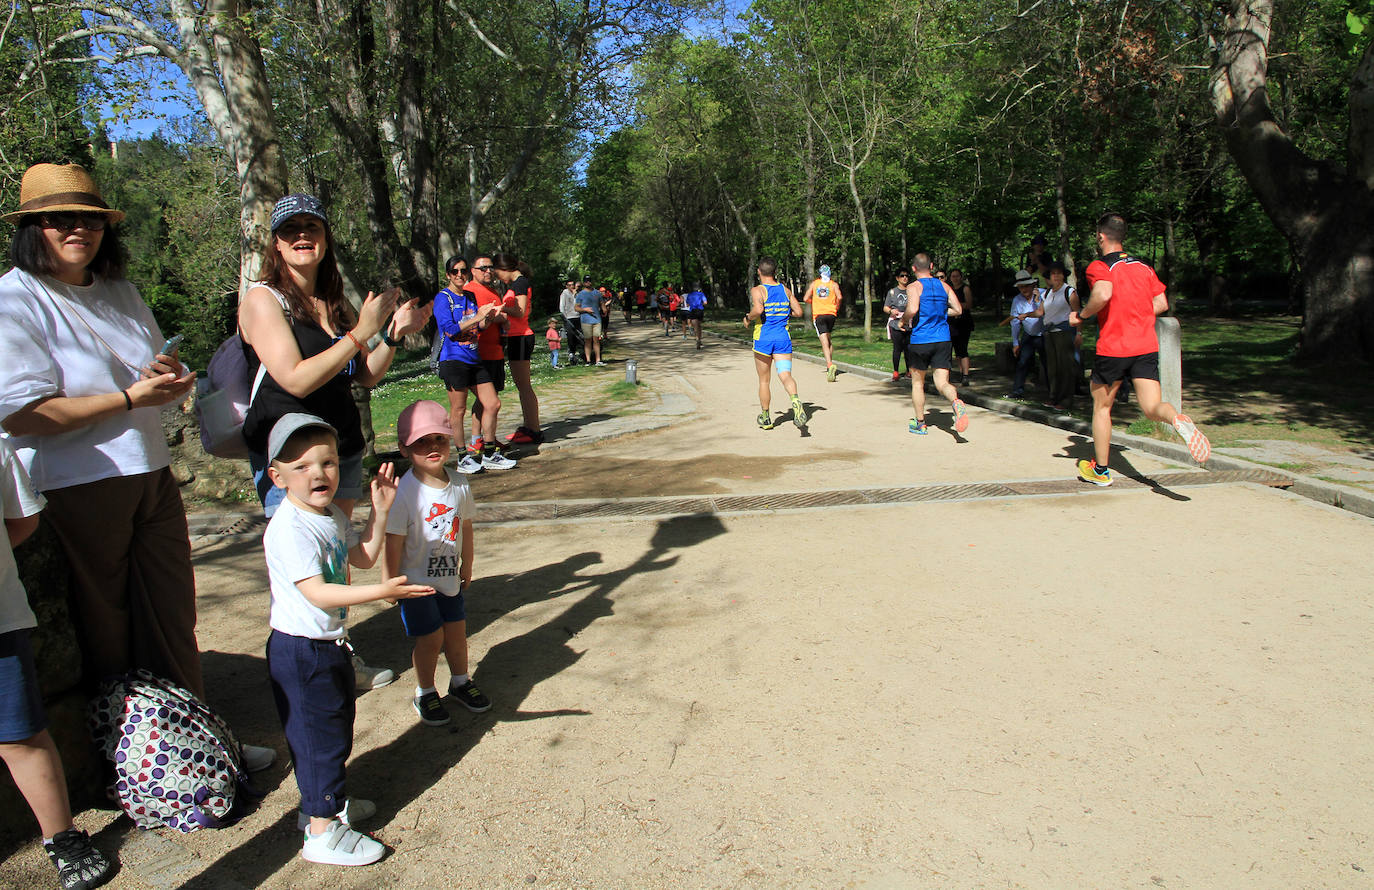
(929, 304)
(696, 310)
(588, 303)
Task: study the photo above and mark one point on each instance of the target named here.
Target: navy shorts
(924, 356)
(21, 703)
(423, 615)
(1107, 369)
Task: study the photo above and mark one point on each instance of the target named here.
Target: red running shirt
(519, 325)
(489, 341)
(1126, 325)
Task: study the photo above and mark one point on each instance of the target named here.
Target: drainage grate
(637, 507)
(787, 501)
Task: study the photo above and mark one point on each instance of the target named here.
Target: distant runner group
(1125, 296)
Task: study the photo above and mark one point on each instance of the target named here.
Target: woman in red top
(520, 344)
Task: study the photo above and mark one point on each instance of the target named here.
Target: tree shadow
(509, 672)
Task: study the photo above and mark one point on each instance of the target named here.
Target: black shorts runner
(1108, 369)
(696, 314)
(924, 356)
(520, 348)
(461, 375)
(496, 372)
(824, 324)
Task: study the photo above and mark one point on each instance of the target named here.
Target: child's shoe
(470, 697)
(79, 865)
(340, 845)
(368, 677)
(432, 711)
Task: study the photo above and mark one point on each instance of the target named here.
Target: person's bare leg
(918, 393)
(944, 387)
(458, 415)
(764, 365)
(456, 647)
(825, 349)
(425, 658)
(1104, 395)
(529, 402)
(1152, 404)
(491, 406)
(37, 771)
(596, 345)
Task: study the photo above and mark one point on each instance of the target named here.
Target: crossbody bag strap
(63, 298)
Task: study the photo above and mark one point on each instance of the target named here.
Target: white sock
(458, 682)
(422, 692)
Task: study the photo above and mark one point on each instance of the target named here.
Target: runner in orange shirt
(825, 298)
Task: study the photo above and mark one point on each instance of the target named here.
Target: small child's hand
(384, 488)
(398, 589)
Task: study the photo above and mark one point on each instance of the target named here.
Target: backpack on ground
(224, 395)
(175, 762)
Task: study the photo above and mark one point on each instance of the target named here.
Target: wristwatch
(386, 338)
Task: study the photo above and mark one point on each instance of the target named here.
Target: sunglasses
(67, 222)
(458, 270)
(482, 268)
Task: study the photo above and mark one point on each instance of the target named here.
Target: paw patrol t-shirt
(431, 520)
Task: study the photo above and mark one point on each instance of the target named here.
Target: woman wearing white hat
(82, 379)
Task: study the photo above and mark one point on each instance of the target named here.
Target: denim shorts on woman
(21, 704)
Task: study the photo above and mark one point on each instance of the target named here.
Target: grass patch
(623, 389)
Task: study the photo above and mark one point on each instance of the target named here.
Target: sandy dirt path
(1111, 688)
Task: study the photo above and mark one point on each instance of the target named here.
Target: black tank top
(332, 402)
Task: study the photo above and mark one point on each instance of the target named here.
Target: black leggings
(900, 339)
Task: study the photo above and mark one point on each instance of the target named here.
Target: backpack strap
(262, 368)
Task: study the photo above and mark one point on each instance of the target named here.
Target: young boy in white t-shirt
(429, 538)
(309, 547)
(25, 745)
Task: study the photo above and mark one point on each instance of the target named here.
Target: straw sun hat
(53, 188)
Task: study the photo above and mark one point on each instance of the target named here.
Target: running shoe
(1089, 471)
(470, 697)
(495, 460)
(830, 373)
(468, 465)
(1198, 446)
(765, 420)
(960, 416)
(799, 416)
(525, 436)
(917, 426)
(601, 364)
(78, 863)
(896, 376)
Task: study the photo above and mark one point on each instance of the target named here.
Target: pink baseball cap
(420, 419)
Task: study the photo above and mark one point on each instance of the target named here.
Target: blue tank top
(931, 325)
(777, 311)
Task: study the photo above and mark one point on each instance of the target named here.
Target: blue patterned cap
(293, 205)
(825, 271)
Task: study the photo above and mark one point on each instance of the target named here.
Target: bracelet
(128, 402)
(386, 338)
(361, 348)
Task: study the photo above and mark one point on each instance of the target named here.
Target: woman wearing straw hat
(82, 380)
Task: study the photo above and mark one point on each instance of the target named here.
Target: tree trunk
(809, 245)
(1326, 213)
(867, 288)
(1061, 215)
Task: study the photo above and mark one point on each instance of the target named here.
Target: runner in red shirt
(1126, 296)
(492, 356)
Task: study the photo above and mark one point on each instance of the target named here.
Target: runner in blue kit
(696, 310)
(929, 304)
(772, 307)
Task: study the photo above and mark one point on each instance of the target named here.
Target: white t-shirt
(49, 347)
(431, 520)
(20, 501)
(300, 544)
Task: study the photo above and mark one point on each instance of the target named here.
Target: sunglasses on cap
(67, 222)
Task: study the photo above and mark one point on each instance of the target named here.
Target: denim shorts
(350, 481)
(423, 615)
(21, 702)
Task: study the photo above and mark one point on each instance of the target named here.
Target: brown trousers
(133, 592)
